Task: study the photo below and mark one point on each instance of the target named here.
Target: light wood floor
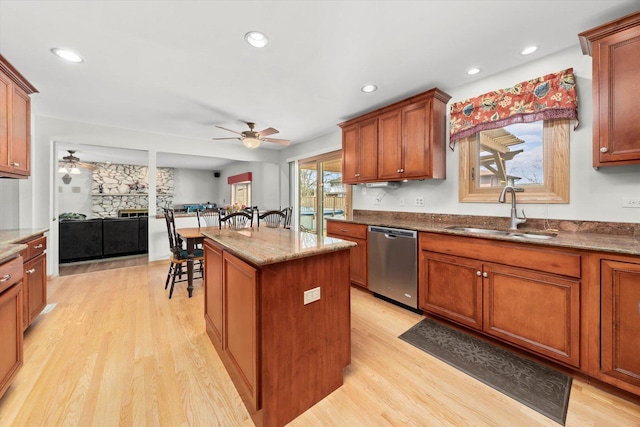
(79, 267)
(115, 351)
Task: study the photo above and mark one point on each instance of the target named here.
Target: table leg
(190, 253)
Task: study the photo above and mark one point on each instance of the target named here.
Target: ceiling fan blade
(86, 165)
(220, 139)
(277, 141)
(229, 130)
(267, 131)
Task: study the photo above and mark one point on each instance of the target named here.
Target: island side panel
(304, 347)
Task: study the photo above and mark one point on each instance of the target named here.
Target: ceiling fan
(70, 163)
(252, 139)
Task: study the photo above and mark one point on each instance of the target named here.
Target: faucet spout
(514, 220)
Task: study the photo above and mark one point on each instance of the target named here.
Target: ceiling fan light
(251, 143)
(63, 170)
(256, 39)
(74, 170)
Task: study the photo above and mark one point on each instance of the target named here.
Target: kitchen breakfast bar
(277, 310)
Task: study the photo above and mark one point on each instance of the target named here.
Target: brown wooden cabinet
(409, 139)
(34, 279)
(360, 152)
(615, 48)
(357, 233)
(620, 320)
(15, 122)
(527, 296)
(11, 310)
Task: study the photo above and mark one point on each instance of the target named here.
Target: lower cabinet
(213, 292)
(620, 320)
(356, 233)
(11, 310)
(532, 309)
(34, 284)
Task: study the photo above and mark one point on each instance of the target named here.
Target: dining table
(193, 236)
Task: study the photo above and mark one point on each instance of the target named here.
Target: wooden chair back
(175, 243)
(208, 217)
(272, 219)
(288, 212)
(236, 220)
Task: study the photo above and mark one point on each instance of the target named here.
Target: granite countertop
(262, 246)
(9, 240)
(621, 238)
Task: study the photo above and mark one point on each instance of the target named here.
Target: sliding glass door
(322, 193)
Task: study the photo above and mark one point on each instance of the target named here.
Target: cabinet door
(416, 140)
(20, 146)
(350, 154)
(536, 311)
(451, 287)
(35, 286)
(390, 146)
(11, 307)
(5, 90)
(616, 82)
(240, 337)
(213, 296)
(359, 259)
(368, 156)
(620, 323)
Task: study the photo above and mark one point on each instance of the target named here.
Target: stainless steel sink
(515, 234)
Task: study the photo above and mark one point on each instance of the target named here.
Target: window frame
(234, 192)
(556, 169)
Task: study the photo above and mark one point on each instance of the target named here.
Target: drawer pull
(5, 278)
(16, 164)
(484, 274)
(31, 271)
(343, 230)
(478, 273)
(604, 149)
(38, 246)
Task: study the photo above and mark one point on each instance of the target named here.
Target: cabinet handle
(484, 274)
(16, 164)
(604, 149)
(401, 170)
(5, 278)
(343, 230)
(37, 246)
(478, 273)
(357, 175)
(31, 271)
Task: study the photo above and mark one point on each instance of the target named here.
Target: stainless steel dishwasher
(393, 264)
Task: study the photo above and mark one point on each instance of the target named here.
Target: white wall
(266, 190)
(79, 202)
(594, 195)
(195, 186)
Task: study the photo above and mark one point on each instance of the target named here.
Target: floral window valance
(548, 97)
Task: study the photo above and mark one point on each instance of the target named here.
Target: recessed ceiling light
(256, 39)
(369, 88)
(529, 50)
(473, 71)
(67, 55)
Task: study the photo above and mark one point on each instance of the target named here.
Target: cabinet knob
(5, 278)
(401, 170)
(37, 246)
(484, 274)
(16, 164)
(478, 273)
(357, 175)
(604, 149)
(31, 271)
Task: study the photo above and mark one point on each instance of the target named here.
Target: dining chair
(179, 256)
(272, 218)
(288, 211)
(236, 220)
(208, 217)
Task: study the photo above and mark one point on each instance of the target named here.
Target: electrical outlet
(631, 202)
(419, 201)
(401, 202)
(311, 295)
(364, 190)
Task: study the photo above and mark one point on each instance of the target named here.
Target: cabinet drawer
(541, 258)
(10, 273)
(347, 229)
(36, 247)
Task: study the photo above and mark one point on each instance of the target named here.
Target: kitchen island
(277, 310)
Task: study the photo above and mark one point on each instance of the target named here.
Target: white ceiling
(181, 67)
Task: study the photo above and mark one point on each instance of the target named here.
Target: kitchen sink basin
(515, 234)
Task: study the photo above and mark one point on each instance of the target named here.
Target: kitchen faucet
(515, 220)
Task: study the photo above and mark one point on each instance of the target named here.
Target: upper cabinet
(15, 122)
(615, 48)
(405, 140)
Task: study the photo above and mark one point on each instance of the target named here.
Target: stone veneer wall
(117, 187)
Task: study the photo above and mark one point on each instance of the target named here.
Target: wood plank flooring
(115, 351)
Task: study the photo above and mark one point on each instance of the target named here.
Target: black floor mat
(530, 383)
